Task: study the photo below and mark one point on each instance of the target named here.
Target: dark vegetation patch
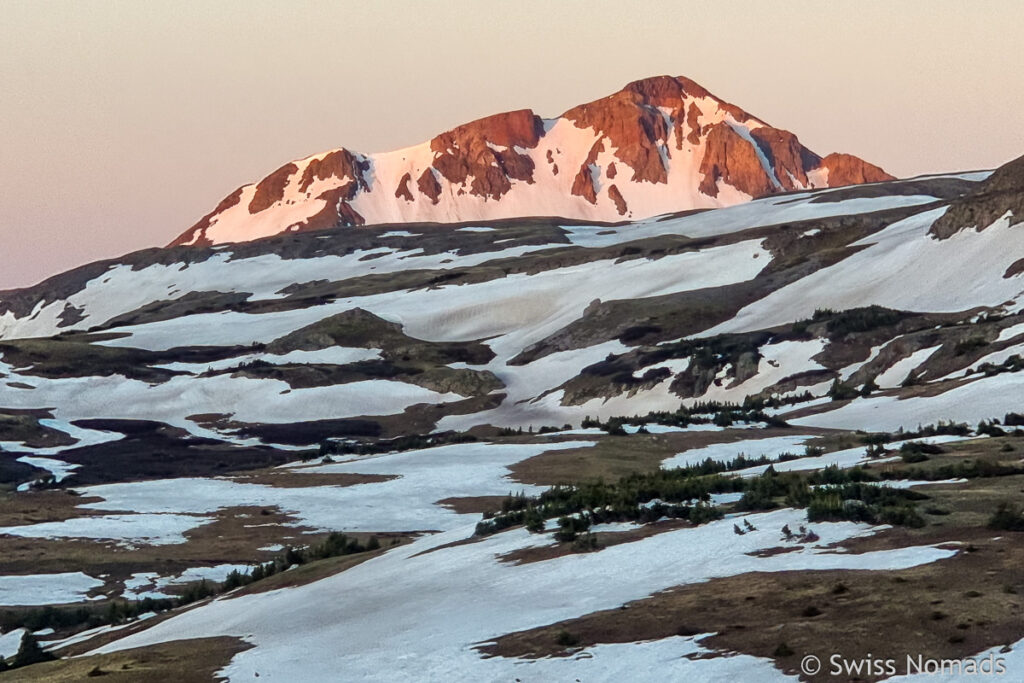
(830, 494)
(421, 418)
(313, 431)
(439, 378)
(24, 426)
(191, 303)
(152, 450)
(76, 356)
(13, 472)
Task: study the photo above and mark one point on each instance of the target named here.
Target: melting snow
(395, 611)
(46, 589)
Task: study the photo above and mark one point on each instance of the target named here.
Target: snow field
(398, 608)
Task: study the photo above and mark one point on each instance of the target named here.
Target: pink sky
(122, 123)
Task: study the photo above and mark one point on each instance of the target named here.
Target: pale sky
(121, 123)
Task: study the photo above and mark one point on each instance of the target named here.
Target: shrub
(585, 543)
(566, 639)
(702, 513)
(783, 650)
(30, 653)
(969, 345)
(1006, 518)
(1013, 420)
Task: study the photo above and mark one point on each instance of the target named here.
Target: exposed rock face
(846, 169)
(403, 191)
(270, 190)
(340, 164)
(428, 185)
(474, 151)
(666, 132)
(1003, 192)
(789, 160)
(693, 122)
(583, 184)
(733, 160)
(616, 196)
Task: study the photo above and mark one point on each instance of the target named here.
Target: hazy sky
(121, 123)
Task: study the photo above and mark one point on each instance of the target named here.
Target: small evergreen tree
(30, 652)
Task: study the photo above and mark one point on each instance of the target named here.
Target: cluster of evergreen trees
(829, 494)
(842, 323)
(401, 443)
(121, 611)
(29, 652)
(636, 497)
(334, 545)
(710, 412)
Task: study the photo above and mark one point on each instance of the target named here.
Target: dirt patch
(36, 507)
(472, 505)
(321, 569)
(183, 661)
(616, 456)
(298, 479)
(604, 539)
(234, 537)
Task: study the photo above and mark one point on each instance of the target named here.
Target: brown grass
(182, 661)
(614, 457)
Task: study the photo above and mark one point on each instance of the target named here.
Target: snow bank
(46, 589)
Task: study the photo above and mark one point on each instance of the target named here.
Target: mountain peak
(660, 144)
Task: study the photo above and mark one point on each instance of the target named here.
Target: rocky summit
(658, 145)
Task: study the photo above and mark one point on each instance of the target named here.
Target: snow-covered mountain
(655, 448)
(659, 145)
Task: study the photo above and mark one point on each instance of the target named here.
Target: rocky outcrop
(616, 196)
(788, 159)
(583, 184)
(270, 190)
(428, 185)
(732, 159)
(633, 124)
(485, 152)
(340, 164)
(1002, 192)
(337, 212)
(693, 123)
(403, 191)
(846, 169)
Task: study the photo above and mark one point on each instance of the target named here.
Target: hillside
(699, 445)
